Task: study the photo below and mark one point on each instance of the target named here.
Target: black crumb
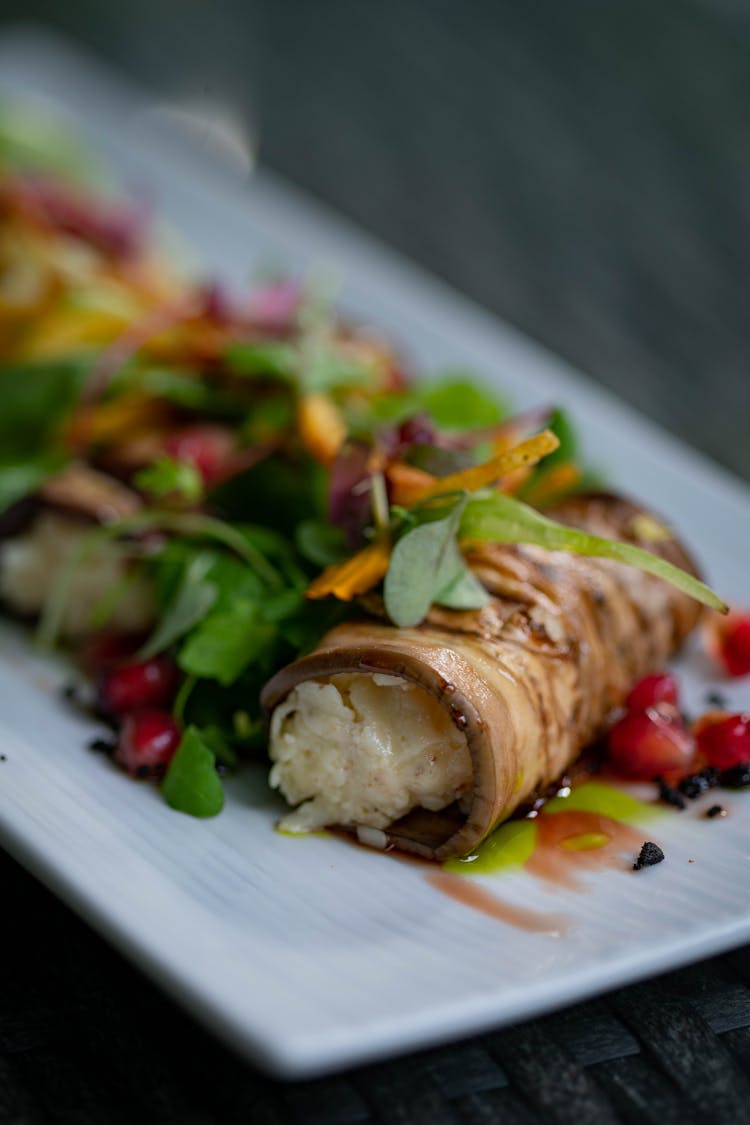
(669, 795)
(102, 746)
(716, 699)
(699, 783)
(650, 854)
(3, 757)
(738, 777)
(716, 810)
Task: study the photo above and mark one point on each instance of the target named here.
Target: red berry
(148, 683)
(147, 742)
(648, 743)
(101, 652)
(725, 743)
(208, 448)
(734, 644)
(661, 687)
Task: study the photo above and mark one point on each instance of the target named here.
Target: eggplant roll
(426, 738)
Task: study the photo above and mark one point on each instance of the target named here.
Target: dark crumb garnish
(716, 699)
(650, 854)
(669, 795)
(699, 783)
(3, 757)
(102, 745)
(69, 692)
(716, 810)
(711, 775)
(738, 777)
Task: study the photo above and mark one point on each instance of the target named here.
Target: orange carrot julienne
(406, 483)
(354, 576)
(321, 427)
(559, 479)
(525, 453)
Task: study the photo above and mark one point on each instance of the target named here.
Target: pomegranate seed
(661, 687)
(148, 683)
(725, 742)
(648, 743)
(207, 448)
(734, 644)
(103, 651)
(147, 742)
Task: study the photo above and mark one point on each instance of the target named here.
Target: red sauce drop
(552, 861)
(472, 894)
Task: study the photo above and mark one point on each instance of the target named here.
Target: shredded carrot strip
(525, 453)
(355, 576)
(129, 416)
(514, 482)
(407, 484)
(559, 479)
(321, 427)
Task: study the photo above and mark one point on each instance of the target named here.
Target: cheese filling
(362, 750)
(30, 563)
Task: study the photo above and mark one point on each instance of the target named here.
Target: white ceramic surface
(310, 955)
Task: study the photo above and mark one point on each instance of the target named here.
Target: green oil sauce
(596, 797)
(514, 843)
(510, 845)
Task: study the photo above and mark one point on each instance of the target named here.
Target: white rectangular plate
(307, 954)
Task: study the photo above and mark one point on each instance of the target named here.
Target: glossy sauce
(473, 894)
(569, 842)
(587, 828)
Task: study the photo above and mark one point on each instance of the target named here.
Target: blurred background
(583, 169)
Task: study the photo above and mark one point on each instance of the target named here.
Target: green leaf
(459, 403)
(216, 740)
(167, 477)
(191, 602)
(425, 561)
(270, 359)
(225, 643)
(562, 427)
(320, 543)
(191, 784)
(325, 369)
(32, 140)
(181, 387)
(21, 478)
(36, 400)
(464, 592)
(502, 519)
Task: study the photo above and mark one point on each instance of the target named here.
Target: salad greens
(192, 784)
(264, 440)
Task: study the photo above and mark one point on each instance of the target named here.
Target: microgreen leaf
(503, 519)
(456, 402)
(424, 562)
(225, 642)
(37, 398)
(562, 426)
(453, 402)
(325, 369)
(167, 477)
(320, 543)
(464, 592)
(21, 478)
(191, 602)
(270, 359)
(191, 784)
